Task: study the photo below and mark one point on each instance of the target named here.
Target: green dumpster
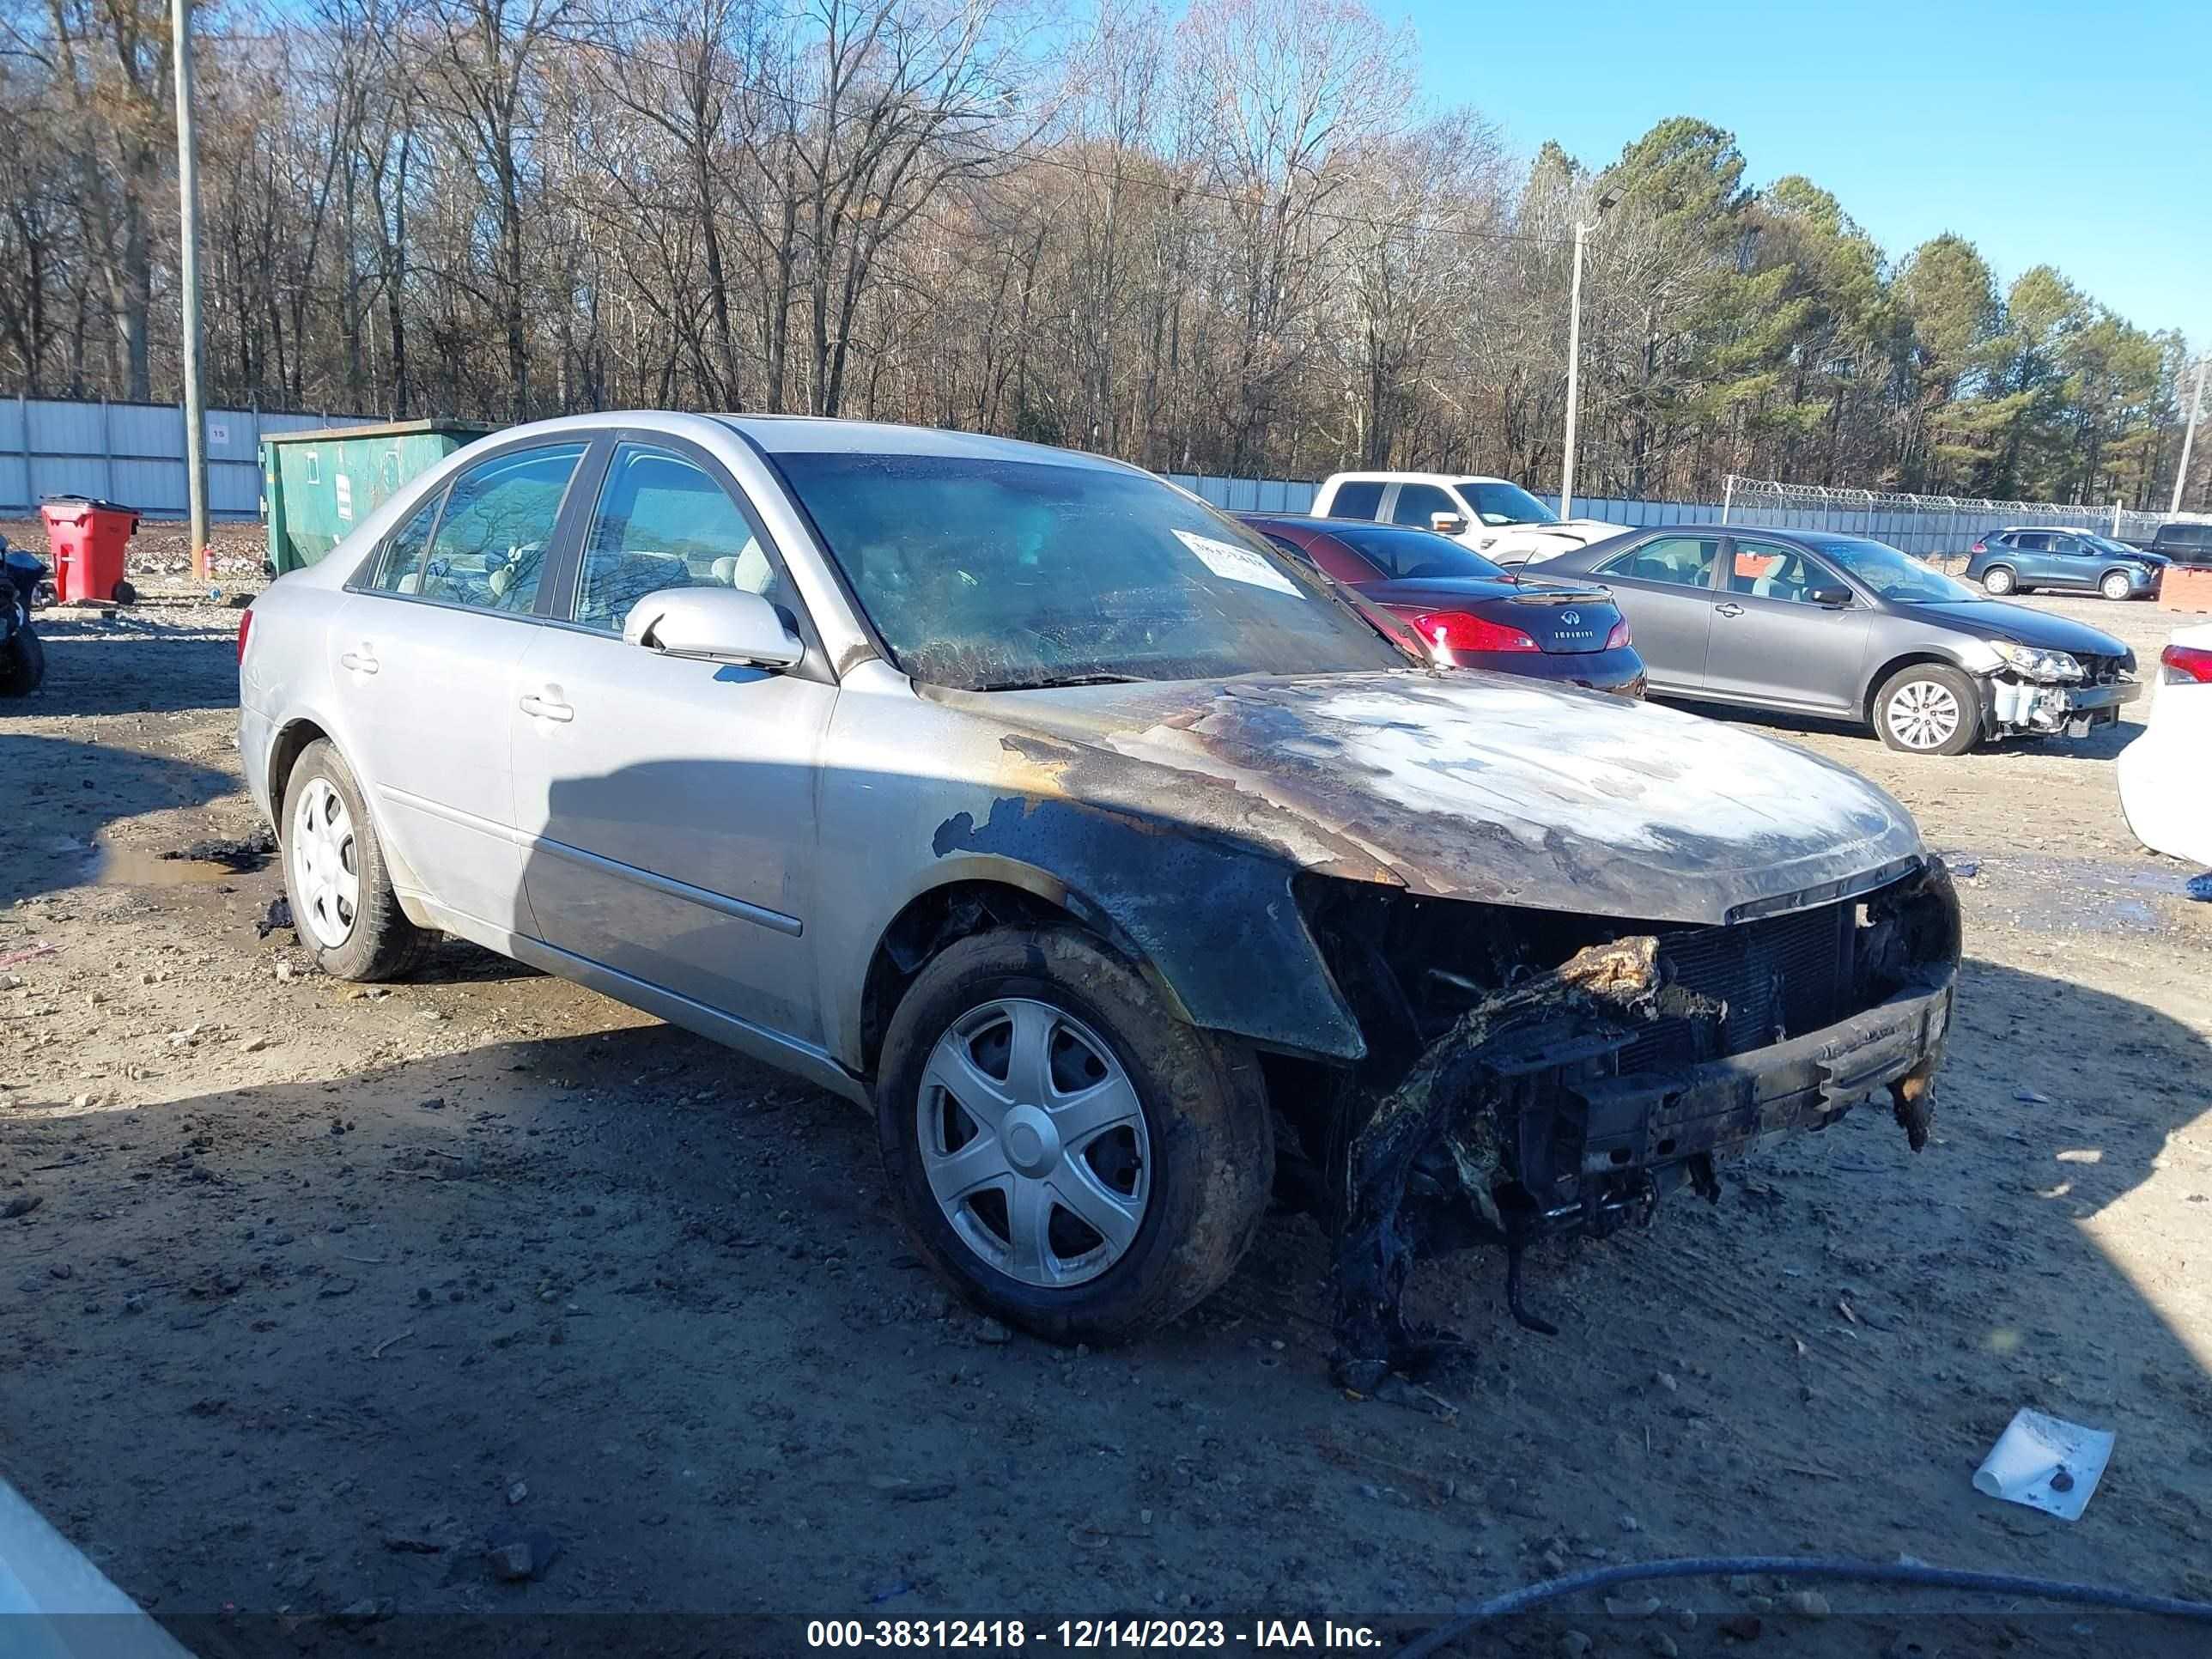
(316, 486)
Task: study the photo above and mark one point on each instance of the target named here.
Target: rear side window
(492, 539)
(664, 521)
(2033, 541)
(1357, 500)
(1678, 560)
(400, 569)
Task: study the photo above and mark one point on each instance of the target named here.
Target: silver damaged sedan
(1107, 854)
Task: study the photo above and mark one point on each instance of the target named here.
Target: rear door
(666, 806)
(2032, 561)
(427, 646)
(1773, 644)
(1356, 498)
(1664, 586)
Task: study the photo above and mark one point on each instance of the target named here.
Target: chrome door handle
(545, 708)
(358, 661)
(1728, 609)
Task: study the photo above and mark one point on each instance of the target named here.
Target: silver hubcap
(1923, 713)
(1033, 1142)
(2116, 587)
(1998, 581)
(325, 880)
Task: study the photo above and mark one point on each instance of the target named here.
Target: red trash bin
(89, 539)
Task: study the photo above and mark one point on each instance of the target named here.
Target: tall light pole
(188, 208)
(2189, 434)
(1575, 362)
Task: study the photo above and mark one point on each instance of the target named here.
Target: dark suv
(2021, 560)
(2183, 544)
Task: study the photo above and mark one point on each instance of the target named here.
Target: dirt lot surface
(306, 1289)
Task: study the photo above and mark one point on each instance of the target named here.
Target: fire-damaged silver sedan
(1112, 858)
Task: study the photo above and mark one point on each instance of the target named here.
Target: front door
(1773, 644)
(667, 807)
(1664, 586)
(2074, 562)
(425, 652)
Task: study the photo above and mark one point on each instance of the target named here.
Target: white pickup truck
(1500, 521)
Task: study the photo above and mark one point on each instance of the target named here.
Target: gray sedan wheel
(1929, 709)
(1998, 579)
(1073, 1157)
(343, 905)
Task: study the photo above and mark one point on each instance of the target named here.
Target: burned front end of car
(1530, 1074)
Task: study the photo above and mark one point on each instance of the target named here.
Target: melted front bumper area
(1571, 1099)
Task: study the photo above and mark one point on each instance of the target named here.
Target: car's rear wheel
(1999, 580)
(1076, 1159)
(1929, 709)
(343, 905)
(2116, 585)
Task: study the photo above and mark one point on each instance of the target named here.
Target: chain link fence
(1929, 526)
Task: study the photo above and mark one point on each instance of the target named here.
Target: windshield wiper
(1054, 682)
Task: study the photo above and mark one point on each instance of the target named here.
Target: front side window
(497, 528)
(1419, 502)
(1504, 503)
(665, 521)
(1677, 560)
(988, 573)
(1360, 498)
(1773, 570)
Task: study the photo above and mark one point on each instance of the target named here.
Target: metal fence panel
(134, 453)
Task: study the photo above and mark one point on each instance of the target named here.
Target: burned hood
(1463, 784)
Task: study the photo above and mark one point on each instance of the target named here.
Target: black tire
(1205, 1112)
(22, 665)
(383, 943)
(2115, 586)
(1895, 726)
(124, 593)
(1998, 580)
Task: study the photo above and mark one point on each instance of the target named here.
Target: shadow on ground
(313, 1335)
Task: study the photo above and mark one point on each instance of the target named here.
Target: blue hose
(1804, 1567)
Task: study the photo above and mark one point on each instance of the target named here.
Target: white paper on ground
(2036, 1451)
(1238, 564)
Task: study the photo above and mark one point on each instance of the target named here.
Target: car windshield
(1504, 503)
(1895, 575)
(2110, 546)
(993, 575)
(1406, 555)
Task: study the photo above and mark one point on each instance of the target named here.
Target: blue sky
(2078, 136)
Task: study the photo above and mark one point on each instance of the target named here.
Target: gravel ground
(307, 1290)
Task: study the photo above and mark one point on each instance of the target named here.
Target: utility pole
(188, 207)
(1575, 362)
(2189, 436)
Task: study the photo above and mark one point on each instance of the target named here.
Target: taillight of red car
(1619, 637)
(1456, 631)
(2185, 665)
(245, 627)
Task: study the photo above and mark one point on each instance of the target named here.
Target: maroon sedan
(1468, 612)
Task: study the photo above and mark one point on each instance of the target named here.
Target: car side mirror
(1833, 599)
(713, 624)
(1448, 524)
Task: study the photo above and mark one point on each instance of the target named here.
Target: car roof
(1414, 477)
(817, 434)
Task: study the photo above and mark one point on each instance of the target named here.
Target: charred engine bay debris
(1504, 1100)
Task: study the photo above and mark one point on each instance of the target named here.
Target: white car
(2165, 774)
(1498, 520)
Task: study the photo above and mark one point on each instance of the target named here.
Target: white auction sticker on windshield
(1238, 564)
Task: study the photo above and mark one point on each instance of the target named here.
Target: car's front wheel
(343, 905)
(1076, 1159)
(1929, 709)
(1998, 580)
(2116, 585)
(22, 665)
